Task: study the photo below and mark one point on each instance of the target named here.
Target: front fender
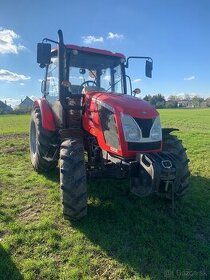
(47, 117)
(166, 131)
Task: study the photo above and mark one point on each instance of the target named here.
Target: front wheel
(172, 145)
(73, 179)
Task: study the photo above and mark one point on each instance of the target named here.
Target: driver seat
(75, 89)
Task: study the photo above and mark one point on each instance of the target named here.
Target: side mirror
(148, 68)
(43, 54)
(136, 91)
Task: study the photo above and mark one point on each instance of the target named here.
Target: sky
(175, 33)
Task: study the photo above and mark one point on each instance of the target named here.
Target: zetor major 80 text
(89, 120)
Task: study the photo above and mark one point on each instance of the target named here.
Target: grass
(10, 124)
(122, 237)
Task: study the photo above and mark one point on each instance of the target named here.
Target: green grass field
(122, 237)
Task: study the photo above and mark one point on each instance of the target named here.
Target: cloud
(107, 78)
(137, 80)
(7, 44)
(112, 35)
(13, 102)
(92, 39)
(22, 84)
(33, 97)
(76, 78)
(6, 75)
(189, 78)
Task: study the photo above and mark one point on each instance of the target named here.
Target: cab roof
(94, 50)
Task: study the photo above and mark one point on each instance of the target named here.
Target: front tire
(172, 145)
(44, 144)
(73, 179)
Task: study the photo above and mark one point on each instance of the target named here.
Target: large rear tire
(44, 144)
(73, 179)
(172, 145)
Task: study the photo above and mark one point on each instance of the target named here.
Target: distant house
(4, 108)
(27, 102)
(185, 103)
(25, 105)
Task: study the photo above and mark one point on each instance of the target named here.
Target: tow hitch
(158, 173)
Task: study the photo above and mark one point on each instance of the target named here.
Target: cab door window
(52, 81)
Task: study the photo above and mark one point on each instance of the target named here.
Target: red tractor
(89, 120)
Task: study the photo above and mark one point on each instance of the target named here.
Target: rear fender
(47, 117)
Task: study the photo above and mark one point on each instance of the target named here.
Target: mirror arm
(139, 57)
(49, 40)
(60, 36)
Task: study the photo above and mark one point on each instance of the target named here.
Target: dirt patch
(12, 150)
(14, 147)
(29, 213)
(13, 135)
(3, 234)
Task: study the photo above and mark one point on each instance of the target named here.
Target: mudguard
(166, 130)
(47, 117)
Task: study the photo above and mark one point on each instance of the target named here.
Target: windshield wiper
(114, 84)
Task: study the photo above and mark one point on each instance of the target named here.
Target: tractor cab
(72, 68)
(86, 69)
(72, 71)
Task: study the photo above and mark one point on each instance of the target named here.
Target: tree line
(173, 101)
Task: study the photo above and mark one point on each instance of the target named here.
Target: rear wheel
(73, 179)
(172, 145)
(44, 144)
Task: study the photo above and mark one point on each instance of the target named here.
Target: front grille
(109, 128)
(145, 125)
(150, 146)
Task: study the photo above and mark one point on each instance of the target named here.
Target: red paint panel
(121, 103)
(48, 121)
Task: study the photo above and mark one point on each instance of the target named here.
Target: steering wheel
(86, 83)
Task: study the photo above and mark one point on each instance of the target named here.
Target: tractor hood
(126, 104)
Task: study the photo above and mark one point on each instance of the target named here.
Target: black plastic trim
(146, 146)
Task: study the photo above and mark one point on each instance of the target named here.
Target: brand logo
(144, 112)
(166, 164)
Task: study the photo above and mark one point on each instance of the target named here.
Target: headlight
(156, 130)
(132, 132)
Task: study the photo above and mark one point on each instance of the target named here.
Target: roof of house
(5, 107)
(26, 102)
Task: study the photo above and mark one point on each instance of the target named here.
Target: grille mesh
(109, 128)
(145, 125)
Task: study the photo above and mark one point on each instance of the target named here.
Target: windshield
(94, 70)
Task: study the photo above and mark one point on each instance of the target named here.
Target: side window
(111, 79)
(118, 86)
(52, 80)
(106, 79)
